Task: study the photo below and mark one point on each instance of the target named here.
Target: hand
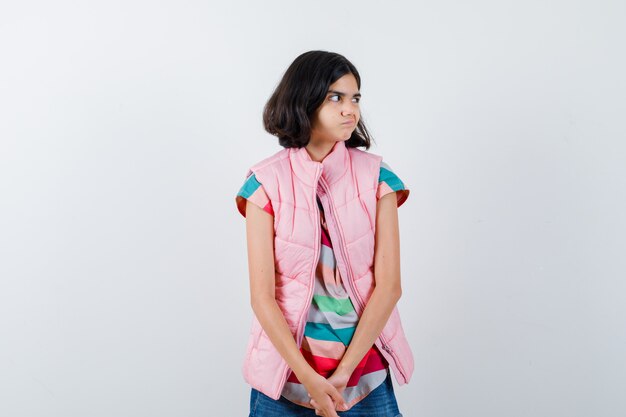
(323, 395)
(339, 380)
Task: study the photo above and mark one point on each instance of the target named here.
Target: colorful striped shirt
(332, 319)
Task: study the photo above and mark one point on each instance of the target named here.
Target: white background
(127, 128)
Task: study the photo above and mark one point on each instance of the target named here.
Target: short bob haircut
(301, 91)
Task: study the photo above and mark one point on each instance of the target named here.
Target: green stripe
(339, 306)
(323, 331)
(249, 187)
(391, 179)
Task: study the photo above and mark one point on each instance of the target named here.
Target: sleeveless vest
(346, 181)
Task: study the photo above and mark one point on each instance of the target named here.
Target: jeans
(379, 403)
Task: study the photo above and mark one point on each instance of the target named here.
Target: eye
(336, 98)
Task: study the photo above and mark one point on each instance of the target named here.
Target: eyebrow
(339, 93)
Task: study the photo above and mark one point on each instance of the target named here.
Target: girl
(323, 254)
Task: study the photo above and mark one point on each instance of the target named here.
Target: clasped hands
(327, 393)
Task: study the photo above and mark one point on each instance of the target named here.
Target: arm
(260, 238)
(387, 291)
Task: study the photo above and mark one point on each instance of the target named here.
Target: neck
(318, 151)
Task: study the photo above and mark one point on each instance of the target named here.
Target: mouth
(348, 123)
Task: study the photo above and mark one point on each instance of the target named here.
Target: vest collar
(333, 166)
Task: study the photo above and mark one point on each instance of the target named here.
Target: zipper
(302, 322)
(353, 293)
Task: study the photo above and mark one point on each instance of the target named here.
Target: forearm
(387, 289)
(371, 324)
(275, 326)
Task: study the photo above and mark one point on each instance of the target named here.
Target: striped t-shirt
(331, 320)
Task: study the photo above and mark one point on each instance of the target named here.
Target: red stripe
(293, 378)
(323, 366)
(325, 239)
(372, 361)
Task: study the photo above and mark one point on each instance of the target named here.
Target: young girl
(323, 254)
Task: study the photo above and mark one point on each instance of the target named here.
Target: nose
(349, 108)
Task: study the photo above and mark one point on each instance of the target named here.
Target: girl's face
(337, 117)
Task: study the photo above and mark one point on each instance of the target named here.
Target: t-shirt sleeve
(389, 182)
(253, 190)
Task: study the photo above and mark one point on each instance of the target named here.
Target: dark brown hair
(303, 88)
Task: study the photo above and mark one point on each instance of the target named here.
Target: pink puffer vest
(347, 181)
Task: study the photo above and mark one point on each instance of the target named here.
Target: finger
(316, 406)
(338, 399)
(342, 407)
(327, 409)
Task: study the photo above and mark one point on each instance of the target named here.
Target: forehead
(346, 83)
